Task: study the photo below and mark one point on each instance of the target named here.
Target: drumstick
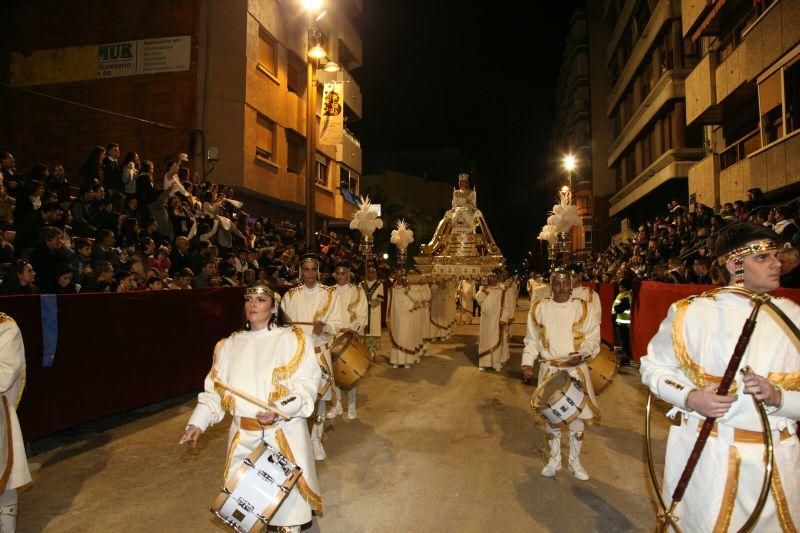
(251, 399)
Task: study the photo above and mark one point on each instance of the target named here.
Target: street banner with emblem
(331, 130)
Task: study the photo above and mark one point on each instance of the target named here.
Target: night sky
(479, 76)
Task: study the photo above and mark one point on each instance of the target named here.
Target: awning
(707, 20)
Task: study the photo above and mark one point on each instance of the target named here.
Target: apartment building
(745, 93)
(223, 80)
(581, 127)
(653, 148)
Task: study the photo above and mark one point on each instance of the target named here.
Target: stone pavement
(438, 447)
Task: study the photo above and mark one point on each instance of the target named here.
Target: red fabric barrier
(651, 301)
(607, 293)
(118, 351)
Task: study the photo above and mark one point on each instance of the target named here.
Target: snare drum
(351, 360)
(252, 496)
(602, 369)
(559, 399)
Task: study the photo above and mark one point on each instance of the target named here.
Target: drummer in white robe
(373, 288)
(276, 365)
(563, 334)
(314, 308)
(494, 320)
(402, 323)
(15, 471)
(684, 364)
(353, 307)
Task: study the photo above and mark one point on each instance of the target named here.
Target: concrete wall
(37, 129)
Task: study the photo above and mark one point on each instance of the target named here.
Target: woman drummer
(275, 364)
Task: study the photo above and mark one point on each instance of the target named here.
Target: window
(791, 88)
(296, 75)
(322, 171)
(348, 180)
(769, 104)
(266, 52)
(293, 151)
(265, 138)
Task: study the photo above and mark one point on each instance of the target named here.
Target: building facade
(653, 148)
(225, 81)
(745, 93)
(581, 126)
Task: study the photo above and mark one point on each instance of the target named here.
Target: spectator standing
(112, 170)
(92, 168)
(8, 167)
(58, 183)
(46, 257)
(622, 320)
(790, 268)
(207, 271)
(19, 279)
(785, 225)
(83, 220)
(131, 166)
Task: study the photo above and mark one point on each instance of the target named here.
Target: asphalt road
(438, 447)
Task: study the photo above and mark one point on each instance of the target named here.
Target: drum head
(559, 399)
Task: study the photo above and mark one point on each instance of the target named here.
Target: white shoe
(498, 368)
(406, 366)
(394, 366)
(319, 451)
(351, 414)
(554, 463)
(575, 466)
(8, 518)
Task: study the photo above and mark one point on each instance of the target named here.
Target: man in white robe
(425, 313)
(684, 364)
(416, 294)
(353, 307)
(402, 323)
(563, 334)
(466, 295)
(373, 288)
(439, 323)
(510, 307)
(451, 312)
(494, 319)
(15, 471)
(314, 308)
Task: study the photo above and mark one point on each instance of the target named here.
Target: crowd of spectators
(120, 227)
(678, 246)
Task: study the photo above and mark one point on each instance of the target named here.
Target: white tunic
(12, 382)
(274, 365)
(374, 292)
(466, 291)
(304, 306)
(440, 327)
(510, 307)
(353, 307)
(556, 330)
(402, 325)
(692, 349)
(590, 297)
(493, 313)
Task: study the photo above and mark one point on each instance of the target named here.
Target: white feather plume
(564, 216)
(402, 236)
(365, 219)
(549, 233)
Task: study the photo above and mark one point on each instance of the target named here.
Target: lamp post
(570, 163)
(315, 53)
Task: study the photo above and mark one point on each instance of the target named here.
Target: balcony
(673, 164)
(693, 12)
(770, 168)
(349, 152)
(704, 181)
(726, 78)
(669, 87)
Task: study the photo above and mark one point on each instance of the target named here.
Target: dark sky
(475, 75)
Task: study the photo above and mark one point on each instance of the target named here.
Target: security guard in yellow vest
(622, 321)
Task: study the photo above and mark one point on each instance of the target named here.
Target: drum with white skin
(560, 399)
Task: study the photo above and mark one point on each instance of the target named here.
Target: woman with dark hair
(19, 279)
(145, 190)
(63, 280)
(92, 168)
(278, 364)
(58, 183)
(130, 170)
(28, 201)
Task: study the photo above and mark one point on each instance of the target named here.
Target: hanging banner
(331, 129)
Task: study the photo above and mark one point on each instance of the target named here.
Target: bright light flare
(312, 5)
(570, 163)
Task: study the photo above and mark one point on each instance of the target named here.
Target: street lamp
(316, 52)
(570, 163)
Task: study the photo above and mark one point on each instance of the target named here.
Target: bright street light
(312, 5)
(570, 163)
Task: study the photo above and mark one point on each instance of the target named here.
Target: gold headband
(748, 249)
(263, 291)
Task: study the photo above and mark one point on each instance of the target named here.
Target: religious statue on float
(458, 230)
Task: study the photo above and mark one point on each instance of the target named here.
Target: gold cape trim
(729, 493)
(500, 328)
(353, 305)
(785, 380)
(231, 451)
(399, 347)
(322, 312)
(283, 372)
(577, 328)
(781, 506)
(693, 371)
(9, 445)
(227, 402)
(313, 499)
